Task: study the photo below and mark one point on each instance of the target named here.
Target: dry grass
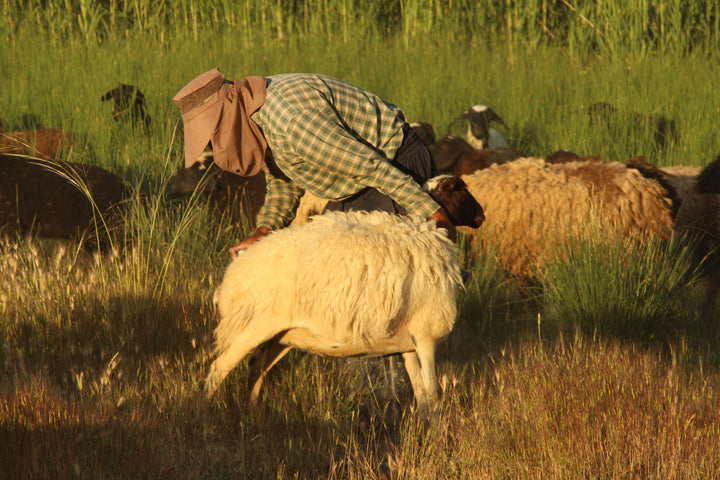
(101, 383)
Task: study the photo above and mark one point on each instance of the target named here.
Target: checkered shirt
(332, 139)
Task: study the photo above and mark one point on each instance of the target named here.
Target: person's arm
(327, 146)
(281, 201)
(261, 231)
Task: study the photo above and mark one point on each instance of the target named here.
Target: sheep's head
(480, 117)
(453, 195)
(186, 180)
(128, 102)
(425, 131)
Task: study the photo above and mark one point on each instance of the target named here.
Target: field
(603, 369)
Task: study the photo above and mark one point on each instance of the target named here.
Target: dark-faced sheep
(344, 284)
(479, 132)
(695, 195)
(238, 198)
(128, 104)
(44, 198)
(425, 131)
(449, 192)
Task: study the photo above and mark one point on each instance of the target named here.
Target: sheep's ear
(465, 116)
(455, 183)
(494, 117)
(639, 163)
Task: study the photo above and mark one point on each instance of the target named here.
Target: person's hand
(442, 221)
(259, 233)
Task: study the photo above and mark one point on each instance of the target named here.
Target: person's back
(296, 101)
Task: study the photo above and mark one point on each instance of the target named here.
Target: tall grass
(603, 372)
(620, 286)
(579, 26)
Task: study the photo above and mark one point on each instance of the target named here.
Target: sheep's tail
(231, 324)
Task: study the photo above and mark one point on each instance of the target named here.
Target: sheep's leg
(229, 359)
(420, 366)
(261, 363)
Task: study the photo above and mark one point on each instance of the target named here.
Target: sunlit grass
(602, 369)
(621, 286)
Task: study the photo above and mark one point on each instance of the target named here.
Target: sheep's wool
(360, 275)
(533, 209)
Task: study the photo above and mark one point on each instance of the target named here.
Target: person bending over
(309, 132)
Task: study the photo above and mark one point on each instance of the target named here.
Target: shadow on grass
(164, 428)
(101, 331)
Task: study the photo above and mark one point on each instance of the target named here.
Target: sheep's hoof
(211, 385)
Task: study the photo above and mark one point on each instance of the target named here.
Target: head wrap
(218, 112)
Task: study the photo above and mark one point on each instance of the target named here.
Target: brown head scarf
(218, 112)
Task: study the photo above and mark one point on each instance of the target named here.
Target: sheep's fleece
(343, 284)
(534, 208)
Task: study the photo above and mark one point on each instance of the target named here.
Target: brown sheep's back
(533, 209)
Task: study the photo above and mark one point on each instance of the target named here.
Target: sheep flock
(359, 283)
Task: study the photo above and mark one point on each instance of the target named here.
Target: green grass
(602, 369)
(620, 286)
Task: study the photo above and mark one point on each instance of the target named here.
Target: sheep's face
(128, 102)
(462, 208)
(187, 179)
(480, 117)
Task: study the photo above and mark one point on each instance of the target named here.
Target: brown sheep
(565, 156)
(43, 198)
(46, 143)
(477, 160)
(533, 208)
(456, 156)
(425, 131)
(240, 198)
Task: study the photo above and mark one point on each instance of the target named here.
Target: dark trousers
(413, 158)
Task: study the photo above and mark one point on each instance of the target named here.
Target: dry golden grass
(99, 381)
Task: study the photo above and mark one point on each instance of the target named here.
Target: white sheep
(343, 284)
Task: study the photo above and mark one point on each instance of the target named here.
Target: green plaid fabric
(332, 139)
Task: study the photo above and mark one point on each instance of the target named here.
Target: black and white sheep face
(480, 117)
